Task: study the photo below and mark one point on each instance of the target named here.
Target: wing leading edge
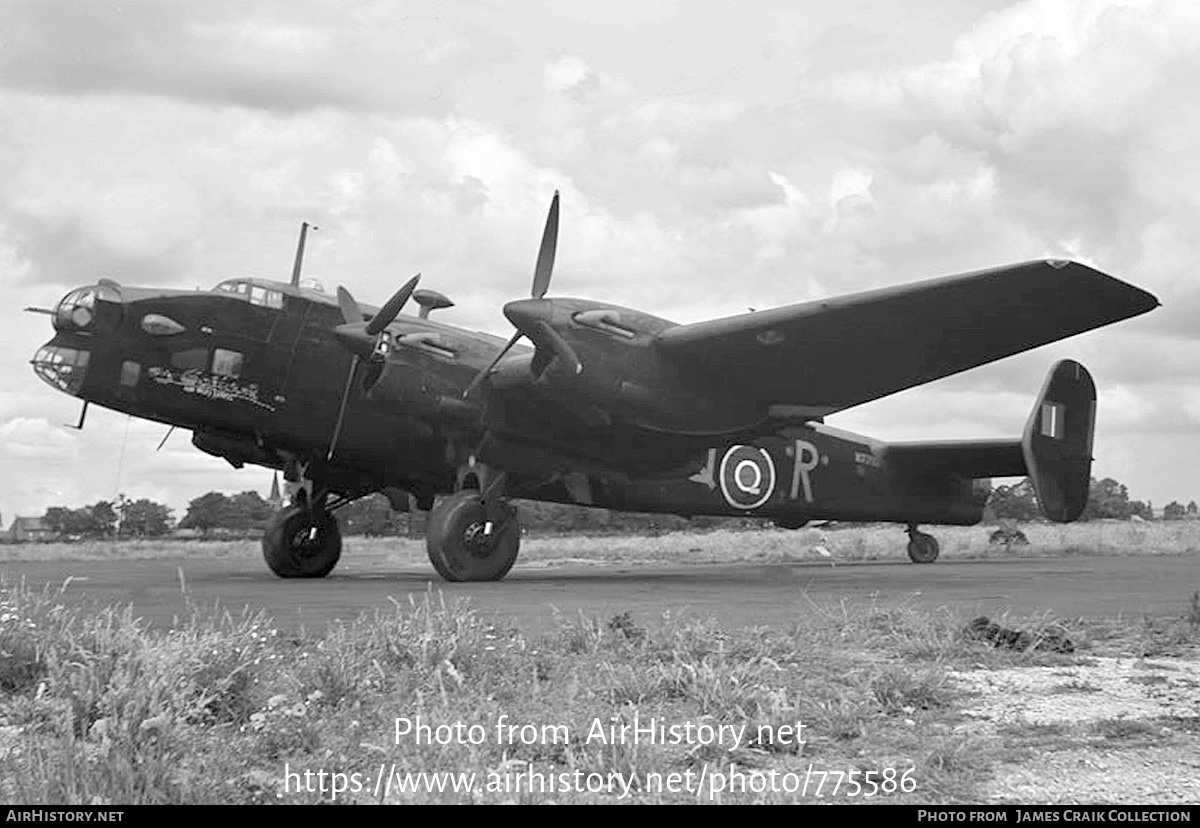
(835, 353)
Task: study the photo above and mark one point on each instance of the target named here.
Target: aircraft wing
(824, 356)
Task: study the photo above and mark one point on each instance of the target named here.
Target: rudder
(1057, 443)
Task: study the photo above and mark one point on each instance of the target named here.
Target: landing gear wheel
(922, 548)
(302, 543)
(459, 545)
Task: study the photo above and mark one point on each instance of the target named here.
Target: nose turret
(61, 367)
(63, 361)
(88, 308)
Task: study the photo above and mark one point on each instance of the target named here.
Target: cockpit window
(256, 294)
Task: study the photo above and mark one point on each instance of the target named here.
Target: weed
(625, 625)
(902, 689)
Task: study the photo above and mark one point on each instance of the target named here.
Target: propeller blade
(351, 312)
(545, 259)
(564, 351)
(337, 429)
(389, 311)
(492, 366)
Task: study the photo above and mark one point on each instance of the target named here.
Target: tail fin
(1057, 443)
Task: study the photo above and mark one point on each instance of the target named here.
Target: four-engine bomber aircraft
(610, 407)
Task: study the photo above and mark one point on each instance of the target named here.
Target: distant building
(30, 530)
(276, 499)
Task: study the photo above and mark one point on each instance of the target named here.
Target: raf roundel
(747, 477)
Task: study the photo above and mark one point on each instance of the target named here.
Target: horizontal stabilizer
(965, 458)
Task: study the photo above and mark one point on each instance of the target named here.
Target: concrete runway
(737, 594)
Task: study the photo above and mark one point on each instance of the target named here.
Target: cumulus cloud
(30, 438)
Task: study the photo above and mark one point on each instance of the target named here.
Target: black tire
(292, 549)
(457, 547)
(922, 548)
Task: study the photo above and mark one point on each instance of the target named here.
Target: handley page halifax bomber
(603, 406)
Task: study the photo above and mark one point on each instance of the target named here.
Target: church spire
(276, 499)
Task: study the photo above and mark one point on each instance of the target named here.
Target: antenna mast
(304, 226)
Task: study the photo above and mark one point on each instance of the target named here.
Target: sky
(712, 156)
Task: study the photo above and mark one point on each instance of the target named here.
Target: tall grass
(98, 708)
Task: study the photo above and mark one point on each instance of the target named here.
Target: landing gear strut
(474, 535)
(922, 548)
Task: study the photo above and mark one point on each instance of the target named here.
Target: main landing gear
(303, 540)
(922, 548)
(474, 535)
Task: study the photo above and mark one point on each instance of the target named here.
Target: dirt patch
(1125, 730)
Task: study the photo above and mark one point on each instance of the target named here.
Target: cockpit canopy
(255, 294)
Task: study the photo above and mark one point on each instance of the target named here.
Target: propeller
(530, 316)
(364, 341)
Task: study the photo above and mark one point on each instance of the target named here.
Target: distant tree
(1174, 511)
(207, 512)
(247, 510)
(96, 521)
(145, 518)
(103, 519)
(1192, 511)
(1109, 498)
(58, 519)
(215, 510)
(1017, 503)
(371, 515)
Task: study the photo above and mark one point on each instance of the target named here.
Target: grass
(849, 543)
(99, 708)
(96, 707)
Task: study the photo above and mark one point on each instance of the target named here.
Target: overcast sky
(712, 156)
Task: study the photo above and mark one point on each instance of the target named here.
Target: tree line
(107, 519)
(1108, 499)
(245, 513)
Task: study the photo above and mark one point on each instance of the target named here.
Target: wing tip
(1134, 300)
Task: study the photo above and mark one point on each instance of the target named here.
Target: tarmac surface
(533, 595)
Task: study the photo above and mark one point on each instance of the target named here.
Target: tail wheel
(462, 546)
(302, 543)
(922, 548)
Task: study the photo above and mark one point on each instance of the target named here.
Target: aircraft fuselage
(255, 370)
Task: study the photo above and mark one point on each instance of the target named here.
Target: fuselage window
(193, 358)
(130, 372)
(227, 363)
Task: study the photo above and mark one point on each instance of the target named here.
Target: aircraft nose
(61, 367)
